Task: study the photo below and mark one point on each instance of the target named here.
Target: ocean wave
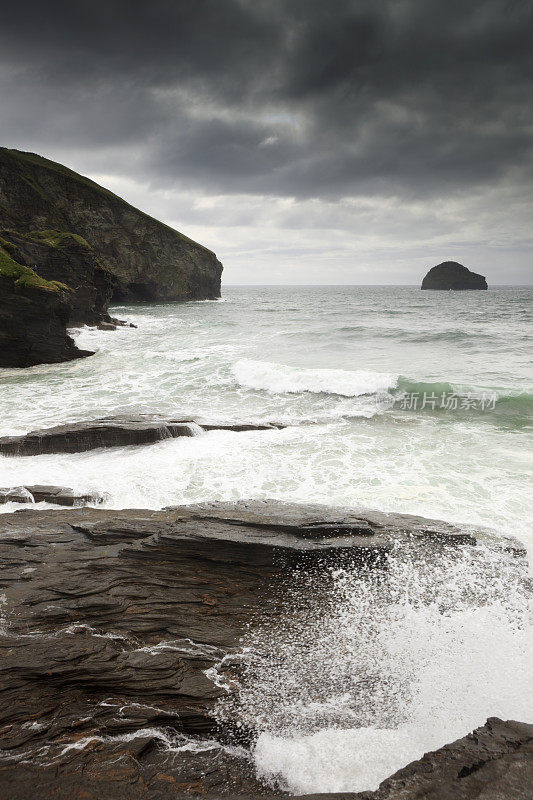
(388, 389)
(514, 402)
(282, 379)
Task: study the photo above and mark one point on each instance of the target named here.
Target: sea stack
(454, 276)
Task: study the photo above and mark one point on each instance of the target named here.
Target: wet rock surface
(116, 628)
(59, 495)
(117, 431)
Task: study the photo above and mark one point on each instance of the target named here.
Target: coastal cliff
(68, 229)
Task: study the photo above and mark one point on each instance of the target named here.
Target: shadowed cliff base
(34, 313)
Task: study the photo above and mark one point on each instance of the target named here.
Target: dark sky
(339, 141)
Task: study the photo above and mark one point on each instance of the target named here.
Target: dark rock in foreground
(115, 432)
(59, 495)
(115, 624)
(451, 275)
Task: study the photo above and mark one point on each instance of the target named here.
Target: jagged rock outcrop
(33, 316)
(84, 235)
(451, 275)
(117, 431)
(65, 229)
(119, 631)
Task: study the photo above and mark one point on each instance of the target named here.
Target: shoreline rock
(117, 431)
(58, 495)
(453, 276)
(494, 762)
(115, 624)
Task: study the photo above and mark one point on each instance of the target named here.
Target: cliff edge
(81, 234)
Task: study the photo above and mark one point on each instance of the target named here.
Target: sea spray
(368, 669)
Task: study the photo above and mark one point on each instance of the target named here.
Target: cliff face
(451, 275)
(33, 318)
(82, 234)
(67, 258)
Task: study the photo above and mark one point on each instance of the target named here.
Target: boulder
(451, 275)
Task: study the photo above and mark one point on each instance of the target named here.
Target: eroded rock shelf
(115, 626)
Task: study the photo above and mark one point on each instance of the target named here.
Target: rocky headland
(65, 229)
(453, 276)
(120, 630)
(34, 313)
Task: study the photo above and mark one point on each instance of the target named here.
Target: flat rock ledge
(117, 431)
(58, 495)
(114, 628)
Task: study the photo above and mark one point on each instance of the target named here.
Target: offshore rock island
(453, 276)
(69, 247)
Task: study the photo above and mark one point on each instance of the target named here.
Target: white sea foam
(377, 669)
(281, 379)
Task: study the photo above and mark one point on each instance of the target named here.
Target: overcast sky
(305, 141)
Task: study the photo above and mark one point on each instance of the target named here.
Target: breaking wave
(281, 379)
(361, 675)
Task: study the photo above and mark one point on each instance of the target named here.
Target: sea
(393, 399)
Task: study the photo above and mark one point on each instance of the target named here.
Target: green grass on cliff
(25, 277)
(54, 238)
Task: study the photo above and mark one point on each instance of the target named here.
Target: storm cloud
(366, 137)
